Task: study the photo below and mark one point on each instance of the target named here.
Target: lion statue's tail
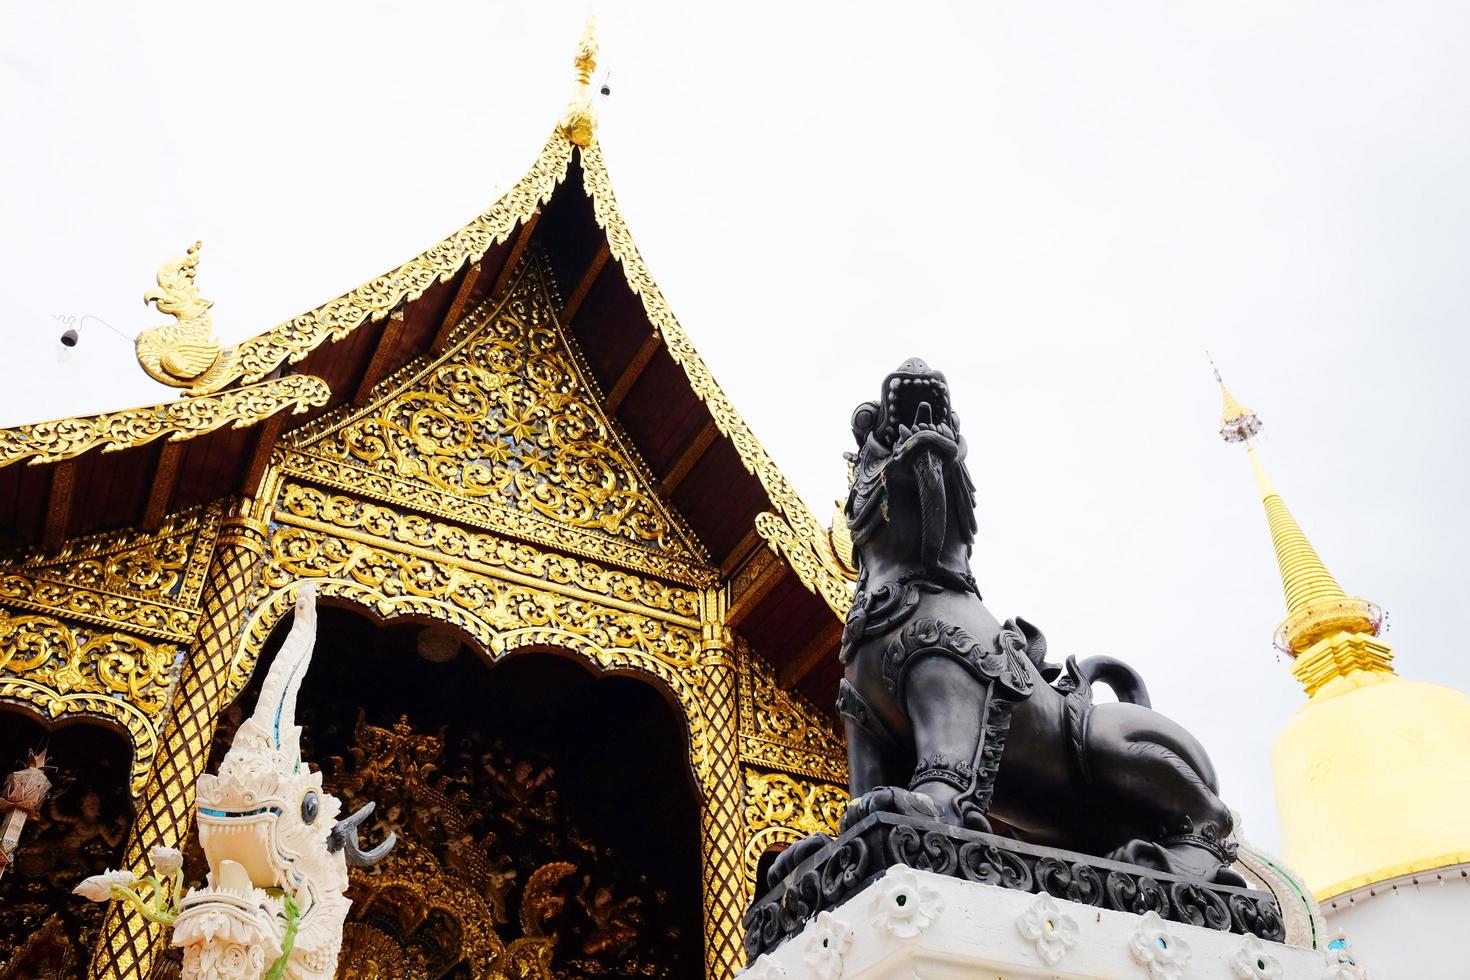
(1126, 683)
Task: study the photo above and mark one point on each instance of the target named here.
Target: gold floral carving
(500, 615)
(50, 442)
(781, 810)
(503, 430)
(781, 729)
(143, 582)
(808, 534)
(64, 671)
(314, 509)
(289, 342)
(809, 567)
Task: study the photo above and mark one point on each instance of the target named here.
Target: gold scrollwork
(781, 810)
(341, 514)
(499, 616)
(148, 583)
(781, 729)
(289, 342)
(50, 442)
(61, 671)
(503, 425)
(809, 539)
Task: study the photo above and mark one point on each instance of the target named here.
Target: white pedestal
(913, 924)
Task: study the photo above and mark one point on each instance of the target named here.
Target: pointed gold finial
(185, 353)
(580, 121)
(1237, 423)
(1316, 606)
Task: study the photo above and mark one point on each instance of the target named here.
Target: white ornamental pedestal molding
(911, 923)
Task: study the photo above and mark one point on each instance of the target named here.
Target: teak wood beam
(632, 373)
(584, 285)
(382, 357)
(513, 259)
(165, 477)
(265, 444)
(691, 454)
(457, 306)
(753, 583)
(811, 656)
(58, 507)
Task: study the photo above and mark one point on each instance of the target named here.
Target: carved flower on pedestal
(1163, 955)
(1052, 931)
(165, 860)
(98, 888)
(1253, 961)
(763, 968)
(827, 944)
(903, 905)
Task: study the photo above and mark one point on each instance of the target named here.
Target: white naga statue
(273, 905)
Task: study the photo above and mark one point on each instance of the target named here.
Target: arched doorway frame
(681, 679)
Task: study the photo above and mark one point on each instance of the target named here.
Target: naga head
(278, 855)
(909, 474)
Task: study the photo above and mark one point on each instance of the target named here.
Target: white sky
(1060, 205)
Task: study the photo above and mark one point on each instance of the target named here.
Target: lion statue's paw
(889, 799)
(788, 860)
(1184, 859)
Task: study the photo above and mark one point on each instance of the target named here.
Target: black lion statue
(957, 717)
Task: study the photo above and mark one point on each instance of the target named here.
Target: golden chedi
(1373, 774)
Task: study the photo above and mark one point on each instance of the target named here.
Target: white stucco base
(915, 924)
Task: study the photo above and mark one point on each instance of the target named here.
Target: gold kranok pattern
(51, 442)
(140, 582)
(781, 810)
(62, 671)
(811, 548)
(781, 729)
(505, 431)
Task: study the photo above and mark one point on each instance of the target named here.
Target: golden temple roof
(253, 380)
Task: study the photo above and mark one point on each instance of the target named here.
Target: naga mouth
(917, 412)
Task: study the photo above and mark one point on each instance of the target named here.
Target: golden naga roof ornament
(185, 353)
(580, 120)
(1316, 606)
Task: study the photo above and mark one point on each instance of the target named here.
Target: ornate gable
(505, 430)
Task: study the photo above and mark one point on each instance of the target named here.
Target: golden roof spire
(1316, 606)
(580, 121)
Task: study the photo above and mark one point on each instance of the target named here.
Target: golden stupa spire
(1317, 608)
(580, 120)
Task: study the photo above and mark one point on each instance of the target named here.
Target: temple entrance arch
(547, 816)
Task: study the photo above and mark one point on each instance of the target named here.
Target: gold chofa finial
(185, 353)
(579, 121)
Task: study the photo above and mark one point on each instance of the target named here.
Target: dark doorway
(558, 801)
(81, 830)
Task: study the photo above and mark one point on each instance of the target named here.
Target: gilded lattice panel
(64, 670)
(781, 729)
(506, 431)
(147, 583)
